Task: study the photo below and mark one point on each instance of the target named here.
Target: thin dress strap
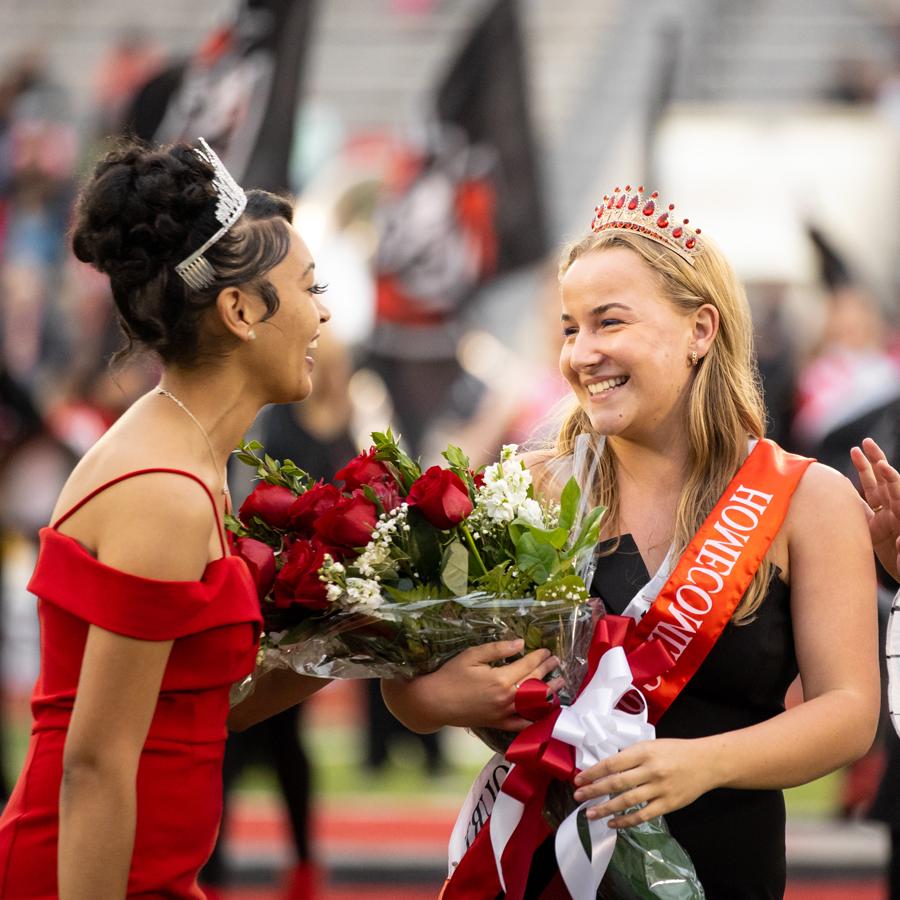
(137, 472)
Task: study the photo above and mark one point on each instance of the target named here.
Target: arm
(880, 482)
(468, 690)
(277, 690)
(114, 704)
(832, 593)
(118, 687)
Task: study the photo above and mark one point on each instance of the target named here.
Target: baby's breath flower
(364, 593)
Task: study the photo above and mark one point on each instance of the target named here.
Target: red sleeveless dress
(215, 625)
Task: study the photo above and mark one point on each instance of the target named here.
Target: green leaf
(234, 524)
(537, 559)
(419, 592)
(568, 504)
(424, 546)
(252, 446)
(584, 833)
(372, 497)
(455, 569)
(590, 530)
(555, 537)
(456, 457)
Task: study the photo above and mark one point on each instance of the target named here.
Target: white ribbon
(892, 654)
(597, 730)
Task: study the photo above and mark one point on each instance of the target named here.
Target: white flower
(375, 555)
(504, 495)
(364, 593)
(532, 513)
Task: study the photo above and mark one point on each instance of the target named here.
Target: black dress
(734, 837)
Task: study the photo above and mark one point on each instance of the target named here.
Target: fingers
(513, 723)
(536, 664)
(556, 684)
(600, 770)
(644, 814)
(867, 478)
(614, 783)
(872, 451)
(890, 478)
(496, 651)
(617, 805)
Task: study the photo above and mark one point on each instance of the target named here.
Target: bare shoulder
(155, 525)
(826, 504)
(159, 527)
(535, 459)
(822, 487)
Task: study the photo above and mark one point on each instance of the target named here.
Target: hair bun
(142, 210)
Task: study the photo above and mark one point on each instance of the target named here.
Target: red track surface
(813, 891)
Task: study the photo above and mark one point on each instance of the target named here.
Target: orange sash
(715, 570)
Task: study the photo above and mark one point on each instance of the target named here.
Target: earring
(694, 359)
(251, 335)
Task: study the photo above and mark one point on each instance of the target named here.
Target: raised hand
(880, 483)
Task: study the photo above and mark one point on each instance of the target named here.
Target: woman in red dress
(146, 620)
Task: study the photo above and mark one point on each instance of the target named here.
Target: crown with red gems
(647, 216)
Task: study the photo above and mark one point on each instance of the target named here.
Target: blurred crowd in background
(441, 151)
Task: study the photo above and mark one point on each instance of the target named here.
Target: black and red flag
(485, 95)
(468, 205)
(240, 91)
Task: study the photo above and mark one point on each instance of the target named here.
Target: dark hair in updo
(142, 212)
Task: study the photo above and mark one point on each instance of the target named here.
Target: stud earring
(251, 335)
(694, 359)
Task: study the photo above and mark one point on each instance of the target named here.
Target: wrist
(411, 703)
(715, 760)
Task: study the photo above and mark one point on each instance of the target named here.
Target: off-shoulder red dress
(214, 623)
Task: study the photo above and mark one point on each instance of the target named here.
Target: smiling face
(627, 347)
(285, 338)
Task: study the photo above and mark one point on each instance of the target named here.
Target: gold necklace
(198, 423)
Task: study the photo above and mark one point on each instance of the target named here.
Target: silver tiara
(196, 270)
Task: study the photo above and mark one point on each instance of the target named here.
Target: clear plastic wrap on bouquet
(405, 639)
(648, 863)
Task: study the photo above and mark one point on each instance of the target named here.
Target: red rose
(298, 583)
(349, 523)
(478, 479)
(388, 494)
(271, 502)
(441, 496)
(260, 560)
(310, 505)
(363, 469)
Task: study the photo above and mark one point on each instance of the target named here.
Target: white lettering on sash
(715, 562)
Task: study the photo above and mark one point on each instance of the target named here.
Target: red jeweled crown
(647, 216)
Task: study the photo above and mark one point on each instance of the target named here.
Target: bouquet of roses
(397, 570)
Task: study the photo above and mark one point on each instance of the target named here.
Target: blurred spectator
(125, 68)
(436, 246)
(520, 391)
(851, 387)
(38, 144)
(776, 356)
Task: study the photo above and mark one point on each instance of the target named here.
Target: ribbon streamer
(563, 741)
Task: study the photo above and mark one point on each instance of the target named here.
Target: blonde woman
(658, 354)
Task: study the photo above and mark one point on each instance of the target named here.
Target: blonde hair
(725, 405)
